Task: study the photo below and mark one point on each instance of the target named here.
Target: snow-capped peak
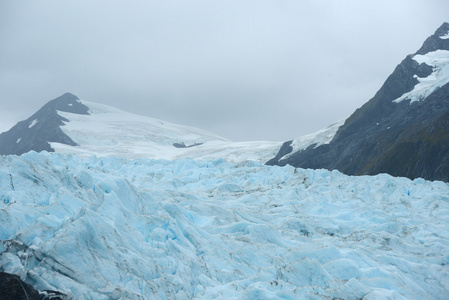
(443, 31)
(109, 131)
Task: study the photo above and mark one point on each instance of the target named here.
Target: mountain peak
(67, 95)
(67, 103)
(443, 30)
(43, 127)
(102, 130)
(388, 134)
(438, 41)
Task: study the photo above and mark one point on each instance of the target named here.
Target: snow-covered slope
(106, 126)
(439, 61)
(108, 131)
(113, 228)
(321, 137)
(69, 125)
(316, 139)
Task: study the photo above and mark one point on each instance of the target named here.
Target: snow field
(114, 228)
(108, 131)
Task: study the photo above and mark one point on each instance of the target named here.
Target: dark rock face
(43, 127)
(434, 42)
(13, 288)
(285, 149)
(183, 145)
(402, 139)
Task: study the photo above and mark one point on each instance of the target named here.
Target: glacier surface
(117, 228)
(108, 131)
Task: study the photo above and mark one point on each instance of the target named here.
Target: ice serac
(43, 127)
(403, 130)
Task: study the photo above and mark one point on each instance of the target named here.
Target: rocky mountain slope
(43, 127)
(403, 130)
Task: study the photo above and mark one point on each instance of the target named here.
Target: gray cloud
(247, 70)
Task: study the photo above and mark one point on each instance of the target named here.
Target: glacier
(108, 131)
(120, 228)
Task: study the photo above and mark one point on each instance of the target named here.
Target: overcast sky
(246, 70)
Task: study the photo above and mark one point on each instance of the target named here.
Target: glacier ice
(116, 228)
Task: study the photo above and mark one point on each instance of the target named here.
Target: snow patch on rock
(445, 37)
(439, 60)
(32, 123)
(316, 139)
